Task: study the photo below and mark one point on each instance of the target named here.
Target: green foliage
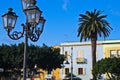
(50, 58)
(109, 66)
(11, 58)
(93, 24)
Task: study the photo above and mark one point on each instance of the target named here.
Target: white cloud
(65, 4)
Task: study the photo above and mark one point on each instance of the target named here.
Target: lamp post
(71, 56)
(32, 29)
(71, 63)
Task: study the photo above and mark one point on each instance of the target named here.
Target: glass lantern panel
(33, 16)
(41, 23)
(11, 20)
(41, 26)
(26, 4)
(5, 21)
(37, 15)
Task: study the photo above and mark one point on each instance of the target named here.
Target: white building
(80, 54)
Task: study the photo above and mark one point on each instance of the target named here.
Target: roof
(89, 43)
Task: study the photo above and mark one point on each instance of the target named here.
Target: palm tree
(92, 24)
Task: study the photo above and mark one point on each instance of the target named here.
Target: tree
(109, 66)
(11, 59)
(92, 24)
(50, 58)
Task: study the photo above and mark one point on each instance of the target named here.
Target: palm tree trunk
(93, 46)
(109, 75)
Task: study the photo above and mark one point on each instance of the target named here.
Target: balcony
(81, 60)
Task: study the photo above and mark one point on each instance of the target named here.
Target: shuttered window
(81, 71)
(66, 70)
(112, 53)
(80, 54)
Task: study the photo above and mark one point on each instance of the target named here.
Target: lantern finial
(10, 9)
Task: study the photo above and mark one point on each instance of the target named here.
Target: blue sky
(62, 19)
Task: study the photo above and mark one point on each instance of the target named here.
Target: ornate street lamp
(32, 29)
(27, 3)
(67, 62)
(9, 20)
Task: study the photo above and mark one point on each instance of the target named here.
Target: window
(80, 57)
(66, 70)
(112, 53)
(81, 71)
(80, 54)
(66, 54)
(119, 53)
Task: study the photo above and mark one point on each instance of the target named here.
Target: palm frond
(93, 22)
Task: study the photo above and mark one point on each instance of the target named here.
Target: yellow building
(111, 48)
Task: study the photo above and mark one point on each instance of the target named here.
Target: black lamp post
(71, 56)
(32, 29)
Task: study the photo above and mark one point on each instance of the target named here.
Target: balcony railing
(81, 60)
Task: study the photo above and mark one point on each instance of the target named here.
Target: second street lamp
(32, 28)
(67, 62)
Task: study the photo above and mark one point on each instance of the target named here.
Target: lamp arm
(16, 35)
(35, 36)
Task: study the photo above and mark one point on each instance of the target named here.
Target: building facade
(79, 57)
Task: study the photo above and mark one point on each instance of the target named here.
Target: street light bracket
(15, 35)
